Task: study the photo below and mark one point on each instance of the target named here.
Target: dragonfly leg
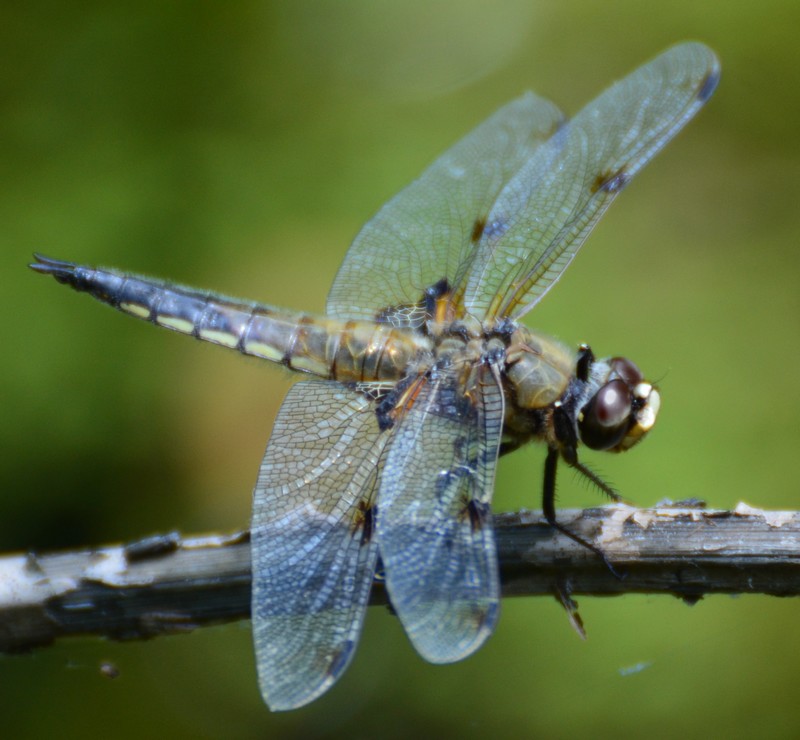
(549, 509)
(596, 480)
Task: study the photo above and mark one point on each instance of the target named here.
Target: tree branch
(168, 583)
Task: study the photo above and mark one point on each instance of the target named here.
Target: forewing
(312, 551)
(427, 231)
(545, 212)
(434, 522)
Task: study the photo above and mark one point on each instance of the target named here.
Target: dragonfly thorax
(538, 369)
(566, 398)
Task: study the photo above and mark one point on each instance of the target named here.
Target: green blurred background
(239, 147)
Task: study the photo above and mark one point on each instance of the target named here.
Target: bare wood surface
(169, 583)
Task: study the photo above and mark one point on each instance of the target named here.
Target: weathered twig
(169, 583)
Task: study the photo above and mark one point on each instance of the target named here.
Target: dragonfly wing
(546, 211)
(313, 553)
(434, 522)
(428, 230)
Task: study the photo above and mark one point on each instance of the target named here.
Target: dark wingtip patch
(340, 659)
(709, 84)
(488, 616)
(477, 229)
(610, 182)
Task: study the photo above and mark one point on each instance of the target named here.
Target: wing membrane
(499, 217)
(434, 523)
(503, 212)
(425, 233)
(541, 220)
(313, 556)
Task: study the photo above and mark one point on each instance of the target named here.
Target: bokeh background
(239, 147)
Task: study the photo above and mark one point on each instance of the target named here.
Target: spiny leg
(549, 510)
(596, 480)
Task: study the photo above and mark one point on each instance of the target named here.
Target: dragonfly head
(623, 408)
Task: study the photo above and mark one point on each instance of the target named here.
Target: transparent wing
(545, 212)
(434, 522)
(427, 231)
(313, 552)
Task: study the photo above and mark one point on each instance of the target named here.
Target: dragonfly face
(426, 376)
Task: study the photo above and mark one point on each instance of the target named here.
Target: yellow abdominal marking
(310, 364)
(135, 309)
(219, 337)
(259, 349)
(172, 322)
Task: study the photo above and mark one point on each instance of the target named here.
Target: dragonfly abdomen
(350, 351)
(353, 351)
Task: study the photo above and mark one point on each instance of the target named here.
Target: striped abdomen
(328, 347)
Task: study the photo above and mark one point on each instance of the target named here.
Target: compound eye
(605, 420)
(626, 370)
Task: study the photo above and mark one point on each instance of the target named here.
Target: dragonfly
(425, 376)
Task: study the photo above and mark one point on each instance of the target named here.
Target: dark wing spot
(477, 229)
(383, 413)
(709, 85)
(487, 615)
(384, 410)
(340, 659)
(610, 182)
(367, 516)
(453, 403)
(478, 513)
(440, 288)
(433, 294)
(460, 447)
(386, 405)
